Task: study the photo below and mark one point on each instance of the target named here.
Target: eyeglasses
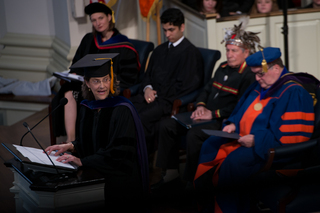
(97, 82)
(261, 74)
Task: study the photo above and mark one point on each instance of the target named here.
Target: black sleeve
(190, 75)
(204, 94)
(120, 154)
(82, 50)
(247, 80)
(147, 80)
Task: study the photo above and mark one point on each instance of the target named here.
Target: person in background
(210, 7)
(175, 69)
(264, 6)
(276, 110)
(314, 4)
(110, 137)
(104, 38)
(215, 102)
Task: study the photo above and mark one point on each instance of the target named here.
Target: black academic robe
(107, 142)
(173, 73)
(125, 64)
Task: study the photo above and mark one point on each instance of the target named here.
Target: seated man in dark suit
(215, 102)
(175, 69)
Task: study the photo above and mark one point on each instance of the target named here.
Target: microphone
(29, 130)
(62, 102)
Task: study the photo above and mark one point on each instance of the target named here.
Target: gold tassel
(109, 6)
(264, 63)
(113, 20)
(111, 84)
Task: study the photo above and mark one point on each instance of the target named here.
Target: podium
(81, 191)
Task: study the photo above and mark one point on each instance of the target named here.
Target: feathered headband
(241, 38)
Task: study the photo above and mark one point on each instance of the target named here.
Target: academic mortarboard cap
(266, 55)
(97, 65)
(99, 6)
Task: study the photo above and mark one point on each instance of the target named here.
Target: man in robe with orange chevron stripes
(274, 111)
(216, 101)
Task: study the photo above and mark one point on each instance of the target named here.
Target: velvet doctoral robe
(111, 140)
(286, 116)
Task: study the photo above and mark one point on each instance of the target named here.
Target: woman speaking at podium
(110, 137)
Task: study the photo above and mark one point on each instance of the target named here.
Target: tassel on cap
(113, 20)
(97, 65)
(264, 63)
(111, 73)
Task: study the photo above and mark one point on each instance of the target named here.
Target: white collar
(177, 42)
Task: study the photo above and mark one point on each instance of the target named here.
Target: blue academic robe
(286, 116)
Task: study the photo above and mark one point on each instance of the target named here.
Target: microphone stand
(29, 130)
(63, 102)
(60, 176)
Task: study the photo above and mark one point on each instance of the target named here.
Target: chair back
(210, 57)
(143, 48)
(316, 131)
(289, 192)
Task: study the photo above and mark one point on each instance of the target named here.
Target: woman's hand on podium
(61, 148)
(67, 158)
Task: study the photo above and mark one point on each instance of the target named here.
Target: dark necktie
(171, 46)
